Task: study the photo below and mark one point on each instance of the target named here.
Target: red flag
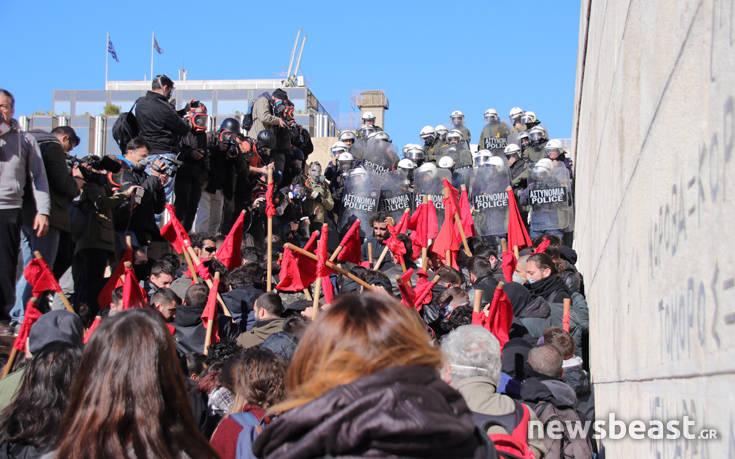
(499, 318)
(229, 252)
(451, 202)
(321, 266)
(465, 214)
(424, 224)
(133, 295)
(542, 247)
(210, 310)
(446, 239)
(297, 271)
(202, 271)
(173, 231)
(91, 329)
(351, 246)
(39, 275)
(105, 296)
(509, 265)
(517, 234)
(408, 295)
(30, 317)
(396, 247)
(270, 209)
(402, 225)
(423, 290)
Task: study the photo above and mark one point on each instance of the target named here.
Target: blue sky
(429, 57)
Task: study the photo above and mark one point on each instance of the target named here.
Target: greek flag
(111, 50)
(155, 45)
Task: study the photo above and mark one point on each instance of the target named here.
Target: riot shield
(360, 199)
(462, 176)
(380, 156)
(490, 199)
(428, 180)
(358, 149)
(396, 194)
(494, 137)
(549, 195)
(514, 138)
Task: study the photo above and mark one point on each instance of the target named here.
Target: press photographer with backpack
(161, 125)
(263, 117)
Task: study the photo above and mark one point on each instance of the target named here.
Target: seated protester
(283, 343)
(376, 279)
(542, 279)
(190, 332)
(451, 299)
(481, 277)
(380, 233)
(472, 356)
(461, 315)
(57, 325)
(257, 378)
(28, 426)
(140, 219)
(573, 373)
(492, 256)
(553, 399)
(267, 310)
(246, 284)
(448, 278)
(165, 301)
(530, 310)
(204, 247)
(345, 379)
(195, 365)
(111, 415)
(161, 276)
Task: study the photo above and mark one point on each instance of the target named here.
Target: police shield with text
(396, 193)
(380, 155)
(549, 196)
(428, 181)
(359, 200)
(489, 196)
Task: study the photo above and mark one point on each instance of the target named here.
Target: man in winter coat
(473, 368)
(264, 118)
(267, 310)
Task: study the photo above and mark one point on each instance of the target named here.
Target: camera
(94, 168)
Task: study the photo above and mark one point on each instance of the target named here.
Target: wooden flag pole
(317, 292)
(448, 259)
(196, 260)
(503, 245)
(458, 221)
(566, 318)
(477, 301)
(210, 323)
(381, 258)
(336, 252)
(13, 352)
(370, 255)
(329, 264)
(515, 252)
(425, 250)
(269, 243)
(63, 297)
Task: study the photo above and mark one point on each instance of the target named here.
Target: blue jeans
(169, 187)
(48, 246)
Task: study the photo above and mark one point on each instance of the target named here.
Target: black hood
(544, 389)
(187, 316)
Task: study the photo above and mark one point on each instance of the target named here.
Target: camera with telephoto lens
(94, 169)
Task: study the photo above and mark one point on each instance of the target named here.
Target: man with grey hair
(472, 366)
(20, 163)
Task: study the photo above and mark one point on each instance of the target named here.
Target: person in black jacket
(160, 124)
(481, 277)
(193, 172)
(139, 216)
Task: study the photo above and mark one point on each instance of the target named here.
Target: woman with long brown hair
(128, 398)
(364, 382)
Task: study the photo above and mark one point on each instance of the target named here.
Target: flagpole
(107, 54)
(269, 243)
(153, 38)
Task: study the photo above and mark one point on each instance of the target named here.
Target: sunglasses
(210, 249)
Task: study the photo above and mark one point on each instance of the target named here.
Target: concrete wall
(655, 194)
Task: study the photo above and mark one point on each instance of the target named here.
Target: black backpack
(125, 128)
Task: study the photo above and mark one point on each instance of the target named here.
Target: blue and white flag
(155, 45)
(111, 50)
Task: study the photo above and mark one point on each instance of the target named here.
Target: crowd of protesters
(216, 294)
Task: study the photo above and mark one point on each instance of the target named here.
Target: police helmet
(543, 165)
(496, 161)
(406, 163)
(427, 131)
(368, 116)
(347, 135)
(454, 134)
(381, 135)
(446, 162)
(528, 117)
(512, 149)
(482, 157)
(491, 115)
(554, 144)
(358, 172)
(366, 129)
(515, 113)
(441, 130)
(415, 154)
(339, 147)
(537, 135)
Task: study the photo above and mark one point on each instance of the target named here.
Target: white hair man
(472, 366)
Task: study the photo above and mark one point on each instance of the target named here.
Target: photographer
(93, 231)
(160, 125)
(264, 117)
(223, 152)
(318, 203)
(139, 216)
(192, 174)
